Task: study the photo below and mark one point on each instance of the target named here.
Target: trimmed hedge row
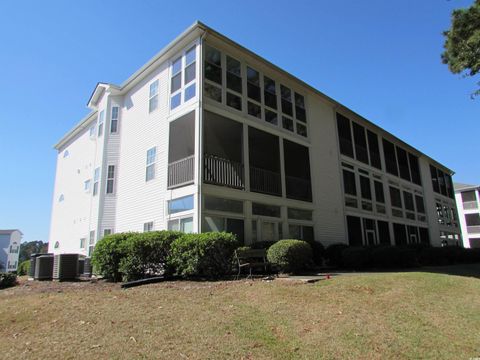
(7, 280)
(132, 256)
(357, 258)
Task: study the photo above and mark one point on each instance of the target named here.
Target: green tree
(31, 247)
(462, 42)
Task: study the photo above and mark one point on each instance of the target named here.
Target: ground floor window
(474, 243)
(183, 224)
(301, 232)
(367, 232)
(230, 225)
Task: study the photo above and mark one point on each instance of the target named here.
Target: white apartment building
(468, 204)
(9, 249)
(208, 136)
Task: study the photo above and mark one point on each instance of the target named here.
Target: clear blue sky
(380, 58)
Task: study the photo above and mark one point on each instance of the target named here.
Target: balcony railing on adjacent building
(181, 172)
(224, 172)
(265, 181)
(473, 229)
(470, 205)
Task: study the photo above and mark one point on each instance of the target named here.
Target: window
(86, 185)
(300, 113)
(253, 84)
(472, 219)
(395, 197)
(151, 158)
(301, 232)
(218, 224)
(101, 120)
(234, 101)
(349, 185)
(83, 243)
(344, 135)
(408, 201)
(269, 93)
(110, 178)
(365, 188)
(373, 150)
(114, 120)
(181, 204)
(234, 75)
(403, 164)
(265, 210)
(66, 153)
(299, 214)
(184, 225)
(354, 230)
(390, 157)
(91, 242)
(107, 232)
(213, 65)
(287, 123)
(96, 178)
(433, 174)
(213, 92)
(400, 234)
(361, 153)
(469, 196)
(420, 204)
(379, 195)
(92, 132)
(61, 198)
(286, 95)
(271, 117)
(153, 96)
(189, 74)
(297, 171)
(213, 203)
(383, 232)
(148, 226)
(414, 169)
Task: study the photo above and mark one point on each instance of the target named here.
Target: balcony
(223, 172)
(298, 188)
(265, 181)
(470, 205)
(180, 173)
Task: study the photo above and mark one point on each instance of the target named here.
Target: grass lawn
(376, 316)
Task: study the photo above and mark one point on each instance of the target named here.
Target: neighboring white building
(468, 204)
(9, 249)
(209, 136)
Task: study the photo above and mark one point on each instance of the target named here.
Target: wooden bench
(251, 259)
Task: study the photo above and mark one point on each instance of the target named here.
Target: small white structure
(9, 249)
(468, 204)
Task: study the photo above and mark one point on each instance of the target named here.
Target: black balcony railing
(180, 173)
(265, 181)
(223, 172)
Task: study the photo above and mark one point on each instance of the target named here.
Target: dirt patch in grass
(387, 316)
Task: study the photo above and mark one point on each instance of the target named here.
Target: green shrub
(333, 254)
(318, 252)
(23, 268)
(146, 254)
(356, 258)
(206, 255)
(108, 254)
(469, 256)
(262, 244)
(7, 280)
(290, 255)
(393, 257)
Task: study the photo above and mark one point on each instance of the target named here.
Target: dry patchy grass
(383, 316)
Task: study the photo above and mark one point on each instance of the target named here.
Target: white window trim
(112, 119)
(150, 96)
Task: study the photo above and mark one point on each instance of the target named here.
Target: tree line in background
(462, 43)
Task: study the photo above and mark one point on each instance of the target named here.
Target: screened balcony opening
(297, 171)
(223, 151)
(181, 150)
(264, 156)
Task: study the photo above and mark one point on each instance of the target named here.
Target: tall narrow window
(151, 158)
(349, 183)
(403, 164)
(153, 96)
(114, 120)
(286, 94)
(344, 135)
(390, 157)
(176, 83)
(414, 169)
(234, 75)
(101, 120)
(253, 84)
(300, 112)
(433, 174)
(91, 242)
(213, 65)
(420, 204)
(96, 178)
(379, 195)
(190, 74)
(270, 93)
(110, 178)
(373, 150)
(360, 143)
(395, 197)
